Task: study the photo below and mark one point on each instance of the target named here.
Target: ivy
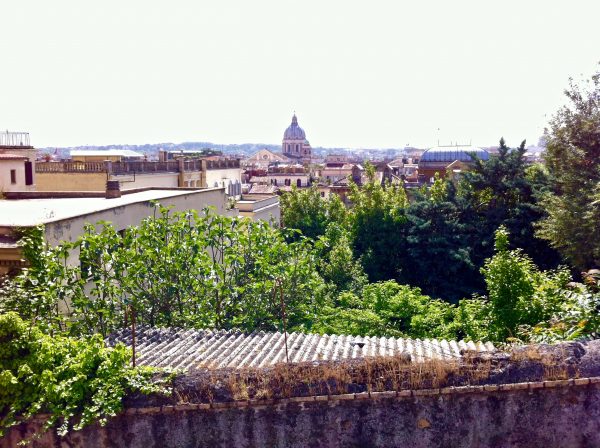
(75, 381)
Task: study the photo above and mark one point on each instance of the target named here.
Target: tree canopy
(572, 224)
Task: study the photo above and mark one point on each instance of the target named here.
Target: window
(298, 183)
(28, 173)
(13, 176)
(296, 148)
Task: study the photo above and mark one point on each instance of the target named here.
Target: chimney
(113, 189)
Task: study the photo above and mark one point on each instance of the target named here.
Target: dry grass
(553, 362)
(373, 374)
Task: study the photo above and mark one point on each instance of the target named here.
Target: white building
(17, 162)
(64, 214)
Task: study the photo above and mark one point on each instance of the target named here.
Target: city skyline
(382, 75)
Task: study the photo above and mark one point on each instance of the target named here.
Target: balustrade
(130, 167)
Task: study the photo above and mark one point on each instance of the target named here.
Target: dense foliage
(450, 241)
(75, 381)
(388, 309)
(572, 224)
(174, 269)
(373, 220)
(207, 271)
(307, 212)
(521, 302)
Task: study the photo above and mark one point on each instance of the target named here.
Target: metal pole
(132, 334)
(287, 358)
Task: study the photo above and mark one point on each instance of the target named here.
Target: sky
(359, 74)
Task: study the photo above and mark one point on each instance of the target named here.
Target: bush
(76, 381)
(518, 292)
(389, 309)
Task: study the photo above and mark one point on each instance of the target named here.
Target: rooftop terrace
(14, 139)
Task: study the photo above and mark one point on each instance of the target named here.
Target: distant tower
(295, 144)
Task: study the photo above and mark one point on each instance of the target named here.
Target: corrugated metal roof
(197, 349)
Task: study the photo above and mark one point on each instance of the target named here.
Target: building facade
(186, 173)
(17, 162)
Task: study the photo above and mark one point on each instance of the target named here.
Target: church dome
(449, 154)
(294, 132)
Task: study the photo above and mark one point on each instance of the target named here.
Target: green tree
(174, 269)
(337, 264)
(437, 245)
(308, 212)
(504, 191)
(517, 291)
(578, 316)
(374, 219)
(572, 224)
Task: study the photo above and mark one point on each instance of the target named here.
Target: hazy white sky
(358, 73)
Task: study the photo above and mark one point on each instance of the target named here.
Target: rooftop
(12, 157)
(14, 139)
(197, 349)
(31, 212)
(105, 152)
(451, 153)
(263, 189)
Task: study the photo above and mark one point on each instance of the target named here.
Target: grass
(372, 374)
(375, 374)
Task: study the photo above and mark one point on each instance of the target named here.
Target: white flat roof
(31, 212)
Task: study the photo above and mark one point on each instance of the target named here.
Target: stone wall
(563, 413)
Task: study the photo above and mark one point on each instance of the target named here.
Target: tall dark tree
(572, 224)
(437, 253)
(504, 191)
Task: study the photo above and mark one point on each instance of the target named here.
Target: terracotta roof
(197, 349)
(5, 156)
